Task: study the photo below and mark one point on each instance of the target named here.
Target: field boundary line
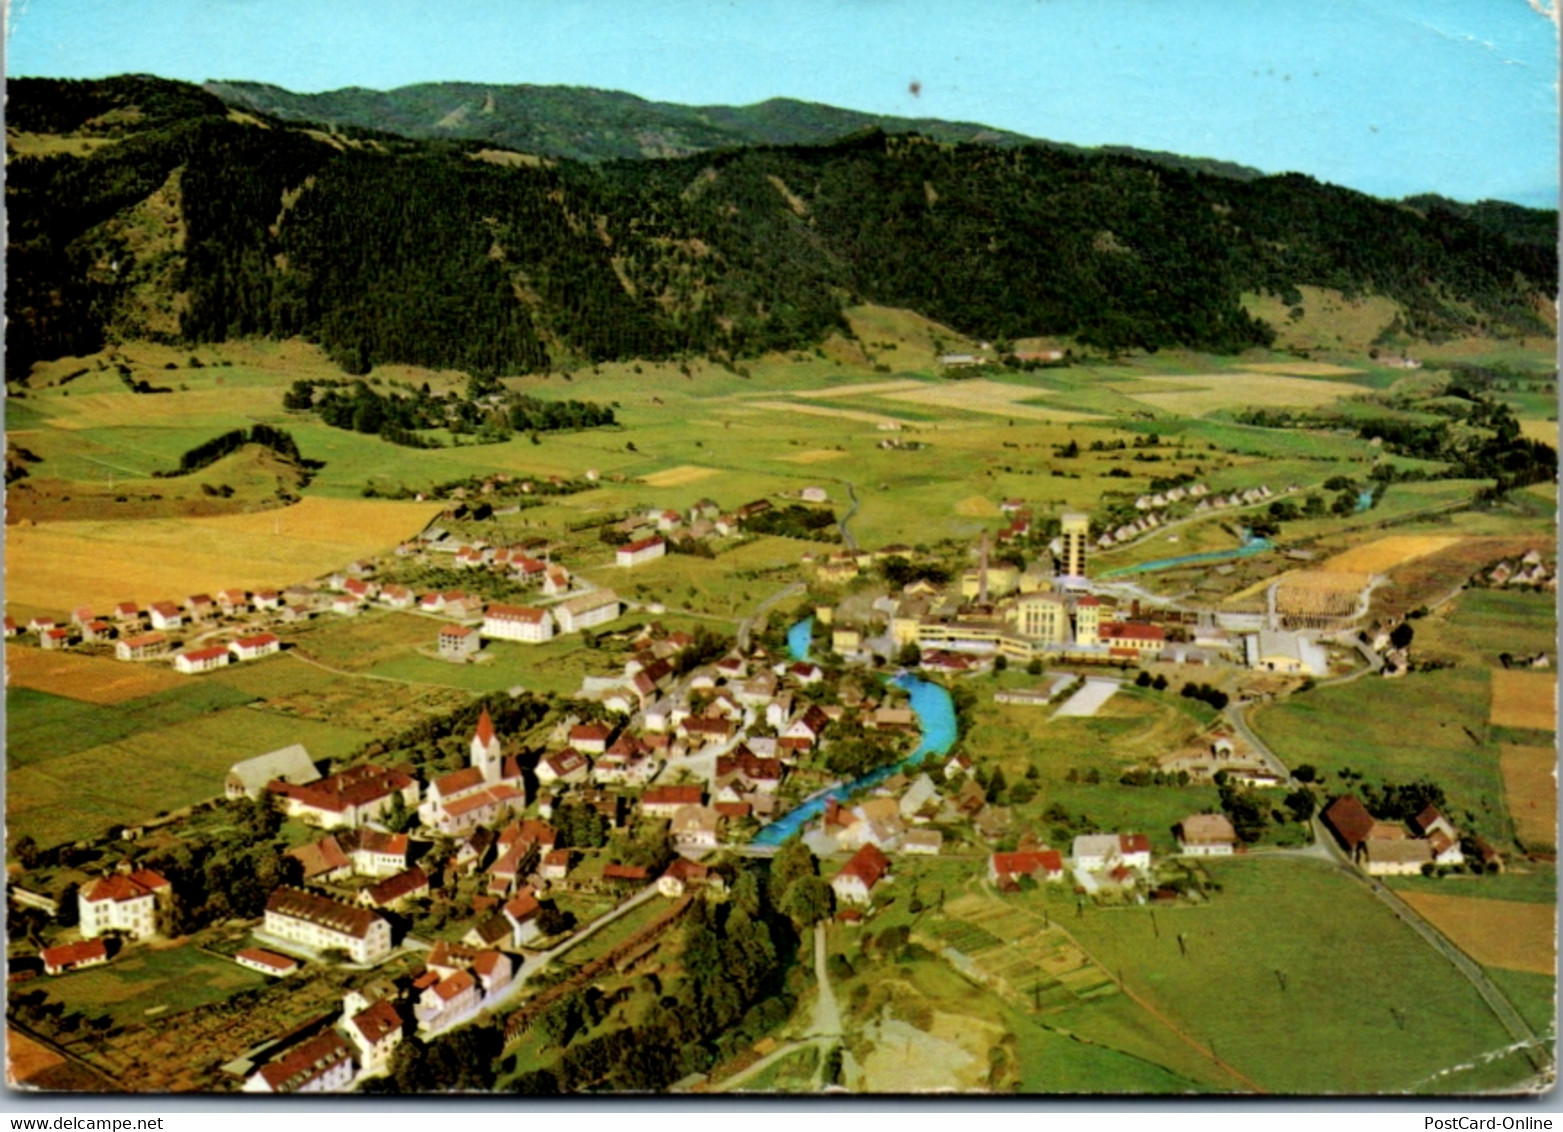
(298, 654)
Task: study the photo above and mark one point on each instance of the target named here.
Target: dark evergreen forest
(385, 249)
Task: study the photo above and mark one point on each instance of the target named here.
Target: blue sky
(1389, 96)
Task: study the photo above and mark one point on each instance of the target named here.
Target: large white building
(644, 550)
(320, 1065)
(518, 623)
(320, 923)
(595, 608)
(123, 902)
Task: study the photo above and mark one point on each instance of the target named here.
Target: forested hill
(140, 207)
(598, 125)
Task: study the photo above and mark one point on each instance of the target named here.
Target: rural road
(746, 626)
(846, 536)
(824, 1031)
(1237, 716)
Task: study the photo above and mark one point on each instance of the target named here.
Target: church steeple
(486, 754)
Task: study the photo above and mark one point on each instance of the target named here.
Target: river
(935, 713)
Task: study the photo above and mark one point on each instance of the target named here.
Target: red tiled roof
(1027, 863)
(586, 732)
(1133, 843)
(73, 954)
(204, 654)
(257, 641)
(305, 1062)
(458, 780)
(623, 872)
(279, 963)
(402, 884)
(638, 546)
(1349, 819)
(673, 796)
(1132, 631)
(298, 904)
(377, 1022)
(485, 732)
(526, 614)
(522, 907)
(120, 888)
(868, 864)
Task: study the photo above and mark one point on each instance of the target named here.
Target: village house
(166, 615)
(398, 596)
(695, 827)
(1349, 820)
(233, 602)
(323, 861)
(192, 661)
(348, 798)
(482, 807)
(1038, 864)
(587, 610)
(347, 605)
(56, 638)
(248, 779)
(521, 912)
(267, 962)
(200, 606)
(320, 1065)
(681, 875)
(568, 766)
(589, 738)
(1100, 852)
(1206, 835)
(266, 600)
(854, 884)
(1441, 835)
(458, 642)
(395, 891)
(127, 611)
(147, 646)
(74, 956)
(641, 551)
(124, 901)
(320, 924)
(376, 1032)
(255, 646)
(556, 581)
(665, 801)
(518, 623)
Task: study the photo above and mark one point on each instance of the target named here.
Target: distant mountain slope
(183, 221)
(597, 125)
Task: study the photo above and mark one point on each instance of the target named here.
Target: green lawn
(1362, 991)
(142, 979)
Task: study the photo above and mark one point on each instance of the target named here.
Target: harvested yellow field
(94, 679)
(1544, 431)
(1303, 369)
(1495, 933)
(63, 565)
(679, 476)
(1205, 393)
(1530, 786)
(1527, 700)
(1383, 555)
(865, 389)
(982, 396)
(977, 507)
(822, 411)
(815, 456)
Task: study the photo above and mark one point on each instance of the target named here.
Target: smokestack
(982, 573)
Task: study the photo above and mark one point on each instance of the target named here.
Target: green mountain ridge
(588, 124)
(185, 222)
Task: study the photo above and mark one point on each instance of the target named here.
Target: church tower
(486, 755)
